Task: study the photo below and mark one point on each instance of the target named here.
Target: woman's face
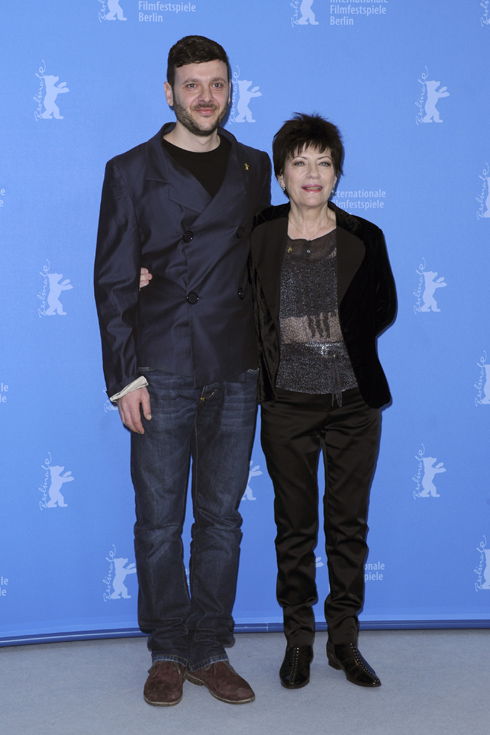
(309, 177)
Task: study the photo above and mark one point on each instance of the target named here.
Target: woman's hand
(145, 277)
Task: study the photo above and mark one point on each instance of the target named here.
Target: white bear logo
(433, 96)
(57, 480)
(254, 472)
(245, 95)
(307, 14)
(430, 286)
(55, 289)
(430, 472)
(115, 11)
(51, 109)
(121, 572)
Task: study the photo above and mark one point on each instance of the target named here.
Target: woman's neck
(310, 223)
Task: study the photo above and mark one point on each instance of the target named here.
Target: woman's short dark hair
(194, 50)
(304, 131)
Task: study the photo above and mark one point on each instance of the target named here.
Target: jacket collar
(344, 220)
(161, 167)
(350, 249)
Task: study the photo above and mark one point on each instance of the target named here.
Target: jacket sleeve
(116, 280)
(385, 290)
(265, 194)
(267, 341)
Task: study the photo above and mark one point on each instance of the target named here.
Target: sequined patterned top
(314, 358)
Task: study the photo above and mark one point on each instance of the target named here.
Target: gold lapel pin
(247, 166)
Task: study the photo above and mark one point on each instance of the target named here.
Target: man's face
(200, 96)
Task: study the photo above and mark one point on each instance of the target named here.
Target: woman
(323, 291)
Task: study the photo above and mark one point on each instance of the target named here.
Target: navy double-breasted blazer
(195, 318)
(365, 291)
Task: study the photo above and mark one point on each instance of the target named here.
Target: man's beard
(185, 119)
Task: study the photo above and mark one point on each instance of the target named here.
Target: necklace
(309, 239)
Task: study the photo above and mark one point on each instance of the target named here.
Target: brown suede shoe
(163, 687)
(223, 682)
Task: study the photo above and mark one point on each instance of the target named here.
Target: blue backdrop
(407, 83)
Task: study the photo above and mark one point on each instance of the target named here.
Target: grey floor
(433, 682)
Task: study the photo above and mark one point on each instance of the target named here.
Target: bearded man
(180, 359)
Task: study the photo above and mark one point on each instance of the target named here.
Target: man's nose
(205, 95)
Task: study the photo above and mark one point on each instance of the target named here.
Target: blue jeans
(215, 427)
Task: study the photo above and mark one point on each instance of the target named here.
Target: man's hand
(130, 407)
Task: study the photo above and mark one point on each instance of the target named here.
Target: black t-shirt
(209, 168)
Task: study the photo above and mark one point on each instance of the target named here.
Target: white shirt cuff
(140, 382)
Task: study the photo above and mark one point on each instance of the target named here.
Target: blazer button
(187, 236)
(241, 293)
(240, 232)
(192, 297)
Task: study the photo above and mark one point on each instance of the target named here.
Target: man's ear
(169, 94)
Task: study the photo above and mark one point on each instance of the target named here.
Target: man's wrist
(140, 382)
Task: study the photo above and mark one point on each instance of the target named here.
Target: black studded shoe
(295, 669)
(346, 656)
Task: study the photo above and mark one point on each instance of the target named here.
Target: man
(180, 359)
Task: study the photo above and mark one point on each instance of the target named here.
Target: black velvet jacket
(366, 295)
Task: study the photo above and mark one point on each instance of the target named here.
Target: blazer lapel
(230, 197)
(268, 244)
(350, 254)
(162, 168)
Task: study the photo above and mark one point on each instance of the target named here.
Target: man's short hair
(194, 50)
(307, 131)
